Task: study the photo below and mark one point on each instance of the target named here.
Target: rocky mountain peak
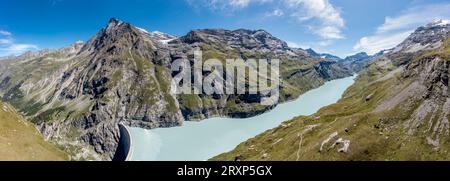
(202, 35)
(312, 52)
(118, 36)
(425, 37)
(113, 22)
(364, 54)
(269, 40)
(116, 26)
(358, 56)
(244, 38)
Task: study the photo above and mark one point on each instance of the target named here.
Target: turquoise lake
(197, 141)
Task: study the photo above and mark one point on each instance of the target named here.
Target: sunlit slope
(19, 140)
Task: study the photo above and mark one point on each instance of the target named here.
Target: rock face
(426, 37)
(398, 109)
(77, 95)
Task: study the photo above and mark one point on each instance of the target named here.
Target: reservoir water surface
(197, 141)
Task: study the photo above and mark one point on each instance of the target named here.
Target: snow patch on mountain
(143, 30)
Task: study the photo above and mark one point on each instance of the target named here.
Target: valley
(398, 109)
(76, 96)
(195, 141)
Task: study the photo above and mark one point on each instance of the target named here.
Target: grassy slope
(373, 135)
(19, 140)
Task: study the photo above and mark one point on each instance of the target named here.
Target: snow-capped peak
(164, 38)
(444, 22)
(439, 22)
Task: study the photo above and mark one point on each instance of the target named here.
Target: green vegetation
(143, 66)
(115, 78)
(50, 115)
(19, 140)
(32, 107)
(14, 96)
(190, 101)
(146, 86)
(164, 84)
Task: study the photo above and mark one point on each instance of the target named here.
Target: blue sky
(340, 27)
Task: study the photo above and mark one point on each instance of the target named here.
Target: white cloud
(374, 44)
(397, 28)
(5, 33)
(225, 5)
(297, 45)
(330, 21)
(275, 13)
(325, 43)
(414, 17)
(239, 3)
(19, 48)
(9, 47)
(317, 46)
(329, 32)
(323, 19)
(5, 41)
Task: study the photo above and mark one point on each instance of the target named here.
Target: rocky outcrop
(425, 37)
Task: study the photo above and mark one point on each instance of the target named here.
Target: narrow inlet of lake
(197, 141)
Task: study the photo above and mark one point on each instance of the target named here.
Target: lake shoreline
(212, 136)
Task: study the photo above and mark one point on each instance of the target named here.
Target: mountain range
(355, 63)
(77, 95)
